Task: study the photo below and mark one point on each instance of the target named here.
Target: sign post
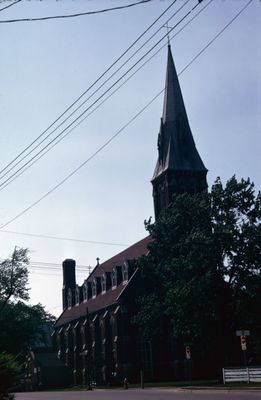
(188, 353)
(188, 361)
(242, 334)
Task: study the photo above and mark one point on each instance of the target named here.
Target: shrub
(9, 373)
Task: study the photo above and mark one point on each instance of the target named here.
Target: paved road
(146, 394)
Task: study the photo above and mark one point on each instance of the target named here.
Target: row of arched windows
(99, 285)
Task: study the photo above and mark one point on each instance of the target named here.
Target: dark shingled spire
(179, 167)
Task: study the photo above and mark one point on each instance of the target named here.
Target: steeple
(179, 167)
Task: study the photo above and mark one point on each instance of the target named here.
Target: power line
(81, 165)
(47, 266)
(43, 264)
(23, 167)
(54, 269)
(87, 90)
(10, 5)
(4, 184)
(72, 15)
(64, 238)
(217, 35)
(102, 102)
(118, 132)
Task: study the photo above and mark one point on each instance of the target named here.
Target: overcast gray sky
(46, 65)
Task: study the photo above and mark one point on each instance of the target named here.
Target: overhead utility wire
(57, 272)
(63, 238)
(3, 184)
(117, 133)
(74, 15)
(76, 119)
(42, 264)
(102, 102)
(54, 269)
(112, 138)
(10, 5)
(80, 166)
(90, 87)
(97, 151)
(217, 35)
(129, 122)
(87, 90)
(54, 273)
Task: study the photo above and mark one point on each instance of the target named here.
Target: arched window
(69, 298)
(125, 272)
(113, 325)
(103, 283)
(94, 288)
(113, 278)
(85, 291)
(84, 338)
(77, 295)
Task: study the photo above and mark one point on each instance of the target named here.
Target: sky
(46, 65)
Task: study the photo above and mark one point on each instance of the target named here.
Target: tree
(202, 274)
(21, 324)
(14, 277)
(180, 268)
(9, 373)
(236, 220)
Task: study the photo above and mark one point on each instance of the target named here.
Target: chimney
(68, 281)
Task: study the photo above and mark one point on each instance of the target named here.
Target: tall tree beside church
(20, 322)
(236, 220)
(14, 277)
(202, 274)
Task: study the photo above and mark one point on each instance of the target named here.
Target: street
(146, 394)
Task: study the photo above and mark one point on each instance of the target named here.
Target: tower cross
(168, 30)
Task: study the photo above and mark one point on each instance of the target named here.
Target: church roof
(131, 253)
(112, 295)
(177, 150)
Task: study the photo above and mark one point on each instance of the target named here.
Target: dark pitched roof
(111, 296)
(131, 253)
(94, 304)
(177, 150)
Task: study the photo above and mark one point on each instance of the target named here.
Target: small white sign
(243, 343)
(188, 353)
(243, 332)
(243, 347)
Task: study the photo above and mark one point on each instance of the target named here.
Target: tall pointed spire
(179, 167)
(173, 100)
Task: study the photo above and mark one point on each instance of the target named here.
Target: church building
(94, 334)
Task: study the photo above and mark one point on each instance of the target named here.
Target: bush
(9, 373)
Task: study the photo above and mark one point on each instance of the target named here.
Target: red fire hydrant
(126, 383)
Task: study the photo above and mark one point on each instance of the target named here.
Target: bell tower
(179, 168)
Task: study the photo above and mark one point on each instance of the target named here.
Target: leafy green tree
(9, 373)
(180, 270)
(14, 277)
(236, 220)
(21, 324)
(202, 274)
